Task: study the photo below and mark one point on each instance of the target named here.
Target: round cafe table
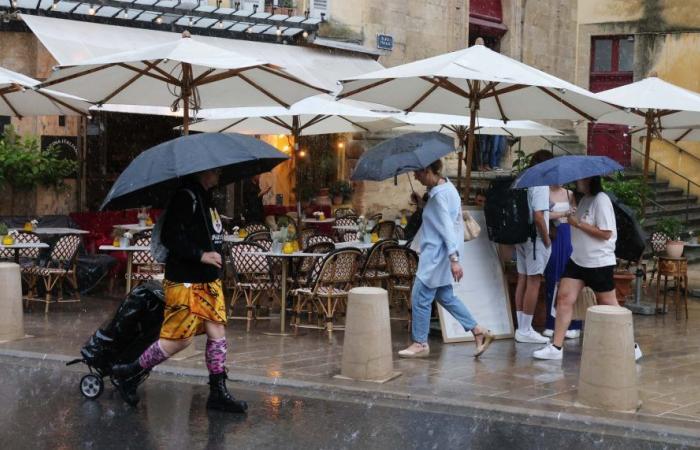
(361, 244)
(129, 255)
(133, 227)
(24, 245)
(54, 231)
(284, 259)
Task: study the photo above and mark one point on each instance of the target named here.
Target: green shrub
(24, 165)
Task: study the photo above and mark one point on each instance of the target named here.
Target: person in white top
(531, 259)
(593, 237)
(561, 200)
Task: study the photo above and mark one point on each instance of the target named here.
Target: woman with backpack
(192, 233)
(592, 262)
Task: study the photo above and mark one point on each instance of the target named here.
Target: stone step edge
(649, 428)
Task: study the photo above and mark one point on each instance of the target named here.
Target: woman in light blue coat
(440, 237)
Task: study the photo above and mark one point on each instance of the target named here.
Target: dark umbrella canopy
(406, 153)
(565, 169)
(151, 178)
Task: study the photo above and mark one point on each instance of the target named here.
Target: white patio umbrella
(654, 104)
(320, 114)
(459, 126)
(475, 81)
(182, 73)
(19, 97)
(674, 134)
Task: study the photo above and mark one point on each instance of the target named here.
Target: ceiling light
(220, 24)
(91, 11)
(159, 20)
(125, 14)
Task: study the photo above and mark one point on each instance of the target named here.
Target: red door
(611, 66)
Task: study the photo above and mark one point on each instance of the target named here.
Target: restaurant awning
(71, 41)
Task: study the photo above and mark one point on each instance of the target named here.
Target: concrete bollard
(11, 314)
(367, 354)
(608, 376)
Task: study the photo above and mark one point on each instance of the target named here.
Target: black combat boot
(220, 398)
(127, 378)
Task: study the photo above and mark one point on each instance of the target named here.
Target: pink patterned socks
(215, 355)
(153, 356)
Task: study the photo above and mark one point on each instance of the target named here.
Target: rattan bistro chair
(262, 238)
(401, 264)
(319, 238)
(145, 267)
(374, 271)
(255, 227)
(385, 229)
(252, 279)
(60, 267)
(344, 212)
(328, 289)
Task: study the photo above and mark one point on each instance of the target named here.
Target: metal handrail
(687, 180)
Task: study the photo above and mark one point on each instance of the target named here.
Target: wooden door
(611, 67)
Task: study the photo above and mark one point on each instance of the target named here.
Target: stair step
(693, 221)
(674, 210)
(664, 201)
(634, 173)
(668, 192)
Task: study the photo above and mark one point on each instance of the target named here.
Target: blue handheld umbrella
(152, 177)
(565, 169)
(406, 153)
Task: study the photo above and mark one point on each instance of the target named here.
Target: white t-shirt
(589, 251)
(538, 200)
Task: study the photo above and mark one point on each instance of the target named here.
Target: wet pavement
(43, 409)
(505, 381)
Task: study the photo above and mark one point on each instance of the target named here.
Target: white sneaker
(530, 337)
(548, 333)
(572, 334)
(637, 352)
(548, 352)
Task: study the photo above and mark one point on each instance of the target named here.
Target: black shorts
(600, 279)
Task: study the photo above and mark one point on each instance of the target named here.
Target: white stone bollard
(11, 314)
(367, 353)
(608, 376)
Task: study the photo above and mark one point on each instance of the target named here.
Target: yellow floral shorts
(188, 305)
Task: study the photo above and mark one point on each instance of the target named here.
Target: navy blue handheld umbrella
(566, 169)
(151, 178)
(406, 153)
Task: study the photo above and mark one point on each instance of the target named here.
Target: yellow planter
(288, 248)
(28, 227)
(8, 240)
(374, 238)
(115, 242)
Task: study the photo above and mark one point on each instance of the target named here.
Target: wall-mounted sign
(385, 42)
(67, 147)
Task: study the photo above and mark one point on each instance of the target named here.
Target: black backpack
(631, 238)
(507, 213)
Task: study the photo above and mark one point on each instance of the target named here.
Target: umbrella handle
(410, 183)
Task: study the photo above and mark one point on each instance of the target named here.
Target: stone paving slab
(505, 377)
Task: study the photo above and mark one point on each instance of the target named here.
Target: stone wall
(667, 44)
(22, 52)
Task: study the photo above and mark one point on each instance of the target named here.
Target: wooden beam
(75, 75)
(62, 103)
(420, 99)
(567, 104)
(263, 90)
(365, 88)
(9, 105)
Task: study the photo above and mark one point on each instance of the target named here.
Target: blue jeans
(422, 300)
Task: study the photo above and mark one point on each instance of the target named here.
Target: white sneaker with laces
(548, 333)
(572, 334)
(548, 352)
(530, 337)
(637, 352)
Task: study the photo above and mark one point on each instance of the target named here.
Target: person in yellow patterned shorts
(194, 301)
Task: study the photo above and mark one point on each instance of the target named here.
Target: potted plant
(341, 191)
(623, 278)
(6, 238)
(672, 228)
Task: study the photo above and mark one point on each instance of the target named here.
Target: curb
(645, 428)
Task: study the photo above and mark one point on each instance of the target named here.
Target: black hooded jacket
(190, 231)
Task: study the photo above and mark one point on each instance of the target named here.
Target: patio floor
(507, 375)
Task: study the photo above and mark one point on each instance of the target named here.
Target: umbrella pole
(186, 86)
(473, 108)
(647, 154)
(460, 156)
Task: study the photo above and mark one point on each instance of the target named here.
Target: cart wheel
(91, 386)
